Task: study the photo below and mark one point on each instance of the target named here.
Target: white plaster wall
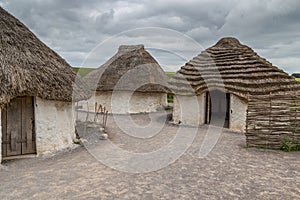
(238, 113)
(189, 110)
(201, 100)
(147, 102)
(54, 124)
(104, 98)
(122, 102)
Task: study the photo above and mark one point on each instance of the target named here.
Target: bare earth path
(230, 171)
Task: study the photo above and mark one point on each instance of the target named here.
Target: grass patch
(170, 97)
(298, 79)
(288, 146)
(170, 74)
(83, 71)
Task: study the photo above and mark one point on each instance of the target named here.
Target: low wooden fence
(272, 118)
(98, 115)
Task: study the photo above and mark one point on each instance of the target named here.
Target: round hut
(130, 82)
(222, 78)
(36, 94)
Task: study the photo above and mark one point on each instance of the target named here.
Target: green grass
(298, 79)
(83, 71)
(288, 146)
(170, 74)
(170, 97)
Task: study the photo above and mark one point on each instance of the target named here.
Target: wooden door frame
(4, 130)
(228, 107)
(207, 108)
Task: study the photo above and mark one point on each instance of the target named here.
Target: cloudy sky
(86, 33)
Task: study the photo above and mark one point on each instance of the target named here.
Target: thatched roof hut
(132, 68)
(133, 59)
(36, 94)
(29, 68)
(235, 67)
(230, 72)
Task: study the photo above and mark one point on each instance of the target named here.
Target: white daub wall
(185, 111)
(117, 102)
(238, 113)
(189, 110)
(54, 124)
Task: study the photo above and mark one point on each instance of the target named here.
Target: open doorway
(217, 108)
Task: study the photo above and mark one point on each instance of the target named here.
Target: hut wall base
(117, 102)
(55, 125)
(189, 110)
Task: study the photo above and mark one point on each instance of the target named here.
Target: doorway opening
(217, 108)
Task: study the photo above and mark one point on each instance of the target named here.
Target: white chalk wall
(189, 110)
(117, 102)
(55, 125)
(238, 113)
(185, 111)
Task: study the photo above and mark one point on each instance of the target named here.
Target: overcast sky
(82, 30)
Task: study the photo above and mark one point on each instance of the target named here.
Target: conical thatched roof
(29, 68)
(232, 66)
(132, 68)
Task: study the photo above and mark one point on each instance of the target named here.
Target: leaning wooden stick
(95, 109)
(104, 125)
(87, 114)
(98, 112)
(103, 118)
(77, 111)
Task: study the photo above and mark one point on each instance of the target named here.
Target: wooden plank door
(13, 127)
(4, 138)
(28, 133)
(18, 136)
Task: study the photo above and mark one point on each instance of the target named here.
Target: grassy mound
(83, 71)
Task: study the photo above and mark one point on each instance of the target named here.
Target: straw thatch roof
(29, 68)
(232, 66)
(132, 68)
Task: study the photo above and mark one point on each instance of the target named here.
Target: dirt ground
(229, 171)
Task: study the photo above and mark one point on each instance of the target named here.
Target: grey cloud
(74, 27)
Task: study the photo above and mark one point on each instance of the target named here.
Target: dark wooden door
(18, 135)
